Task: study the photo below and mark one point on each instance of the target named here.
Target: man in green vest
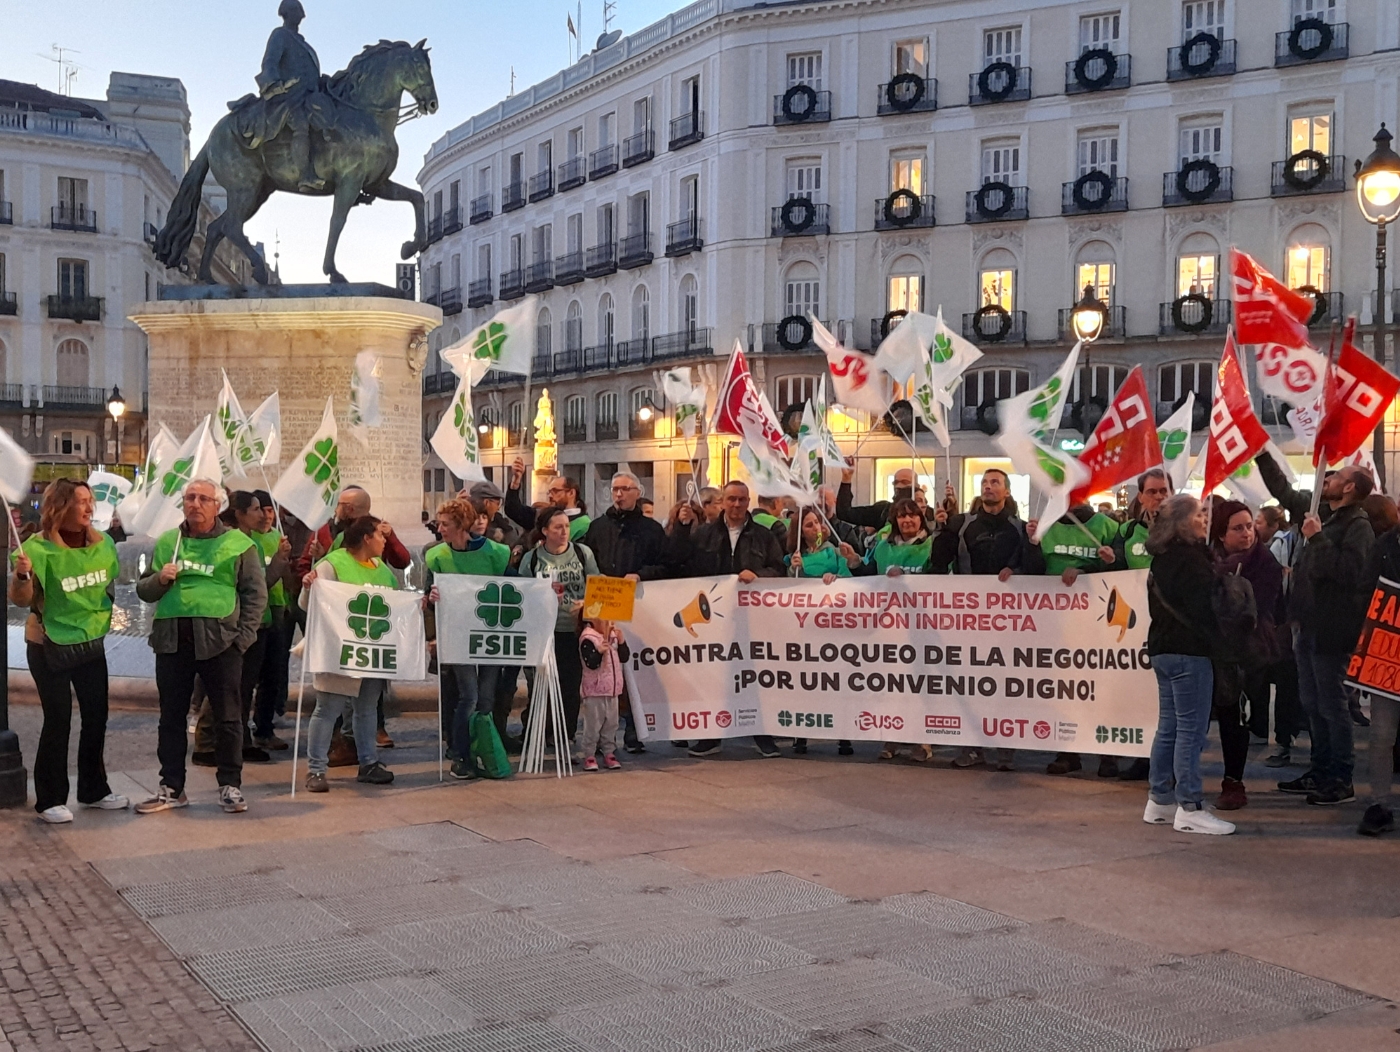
(770, 516)
(1130, 541)
(209, 588)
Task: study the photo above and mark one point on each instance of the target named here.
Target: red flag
(1267, 310)
(1359, 390)
(1124, 445)
(1235, 432)
(740, 411)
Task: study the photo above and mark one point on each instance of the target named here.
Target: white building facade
(84, 186)
(722, 173)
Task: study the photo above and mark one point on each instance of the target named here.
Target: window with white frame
(911, 56)
(573, 326)
(573, 233)
(575, 142)
(1001, 45)
(72, 364)
(804, 178)
(515, 414)
(689, 198)
(690, 305)
(640, 397)
(1310, 129)
(641, 313)
(605, 130)
(1098, 151)
(985, 386)
(544, 332)
(802, 294)
(1308, 257)
(483, 261)
(791, 391)
(606, 329)
(1202, 16)
(73, 279)
(997, 287)
(607, 409)
(1097, 276)
(543, 243)
(1196, 273)
(907, 172)
(641, 115)
(1201, 138)
(576, 414)
(517, 251)
(483, 180)
(72, 194)
(905, 291)
(545, 157)
(1176, 379)
(1329, 11)
(690, 95)
(805, 68)
(456, 270)
(1101, 31)
(639, 213)
(1001, 161)
(607, 224)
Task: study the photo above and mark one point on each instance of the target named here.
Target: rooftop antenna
(609, 7)
(512, 82)
(67, 68)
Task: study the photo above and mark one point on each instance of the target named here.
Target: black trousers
(1228, 709)
(1289, 720)
(272, 681)
(221, 676)
(248, 677)
(56, 689)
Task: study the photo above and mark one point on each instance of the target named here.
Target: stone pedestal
(304, 349)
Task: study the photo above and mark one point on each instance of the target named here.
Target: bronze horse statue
(352, 160)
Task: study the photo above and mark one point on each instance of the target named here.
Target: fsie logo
(805, 719)
(1118, 735)
(367, 618)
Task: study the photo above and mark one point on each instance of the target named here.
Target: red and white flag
(1125, 443)
(1236, 434)
(1359, 390)
(1267, 310)
(740, 409)
(856, 381)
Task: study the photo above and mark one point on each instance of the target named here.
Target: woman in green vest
(360, 561)
(905, 549)
(66, 574)
(466, 689)
(272, 683)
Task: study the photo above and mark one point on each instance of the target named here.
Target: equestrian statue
(305, 133)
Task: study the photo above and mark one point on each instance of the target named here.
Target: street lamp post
(116, 406)
(1087, 320)
(1378, 194)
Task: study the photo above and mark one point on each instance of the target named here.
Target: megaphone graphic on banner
(695, 612)
(1120, 614)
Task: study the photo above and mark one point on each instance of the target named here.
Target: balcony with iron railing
(601, 260)
(573, 173)
(7, 213)
(1193, 314)
(602, 161)
(1311, 40)
(539, 276)
(792, 335)
(1204, 55)
(687, 129)
(639, 428)
(684, 237)
(568, 268)
(434, 229)
(904, 210)
(1309, 172)
(542, 185)
(1115, 325)
(995, 324)
(75, 308)
(1198, 182)
(597, 357)
(452, 220)
(999, 82)
(1098, 69)
(479, 293)
(512, 284)
(636, 351)
(480, 210)
(997, 202)
(800, 217)
(9, 303)
(638, 149)
(801, 104)
(73, 217)
(12, 394)
(569, 360)
(542, 365)
(605, 431)
(683, 344)
(80, 398)
(513, 196)
(1094, 192)
(450, 300)
(907, 93)
(439, 383)
(635, 251)
(575, 432)
(1327, 308)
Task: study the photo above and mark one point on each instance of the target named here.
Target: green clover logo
(323, 468)
(106, 493)
(1101, 734)
(500, 606)
(942, 348)
(1173, 442)
(785, 718)
(369, 616)
(1051, 465)
(177, 477)
(227, 424)
(1046, 401)
(489, 342)
(1243, 471)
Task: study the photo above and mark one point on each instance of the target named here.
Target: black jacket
(994, 543)
(705, 551)
(626, 542)
(1178, 600)
(872, 515)
(1296, 502)
(1331, 585)
(1384, 560)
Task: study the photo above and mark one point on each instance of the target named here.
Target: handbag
(61, 657)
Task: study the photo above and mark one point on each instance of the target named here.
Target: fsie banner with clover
(494, 620)
(366, 632)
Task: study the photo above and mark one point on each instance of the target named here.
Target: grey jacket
(212, 635)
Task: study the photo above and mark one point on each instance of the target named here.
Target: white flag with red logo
(1358, 392)
(1267, 310)
(1290, 374)
(1235, 432)
(1125, 444)
(741, 410)
(856, 381)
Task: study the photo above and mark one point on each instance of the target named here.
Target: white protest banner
(1031, 663)
(366, 632)
(494, 620)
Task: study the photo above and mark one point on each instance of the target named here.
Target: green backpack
(488, 754)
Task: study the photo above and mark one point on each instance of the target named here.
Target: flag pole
(301, 687)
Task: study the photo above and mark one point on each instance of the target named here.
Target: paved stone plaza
(815, 903)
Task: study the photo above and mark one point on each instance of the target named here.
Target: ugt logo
(500, 605)
(369, 617)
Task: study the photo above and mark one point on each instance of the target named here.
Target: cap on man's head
(485, 491)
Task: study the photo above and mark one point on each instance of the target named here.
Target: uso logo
(869, 721)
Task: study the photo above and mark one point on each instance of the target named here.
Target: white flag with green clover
(495, 620)
(816, 424)
(903, 352)
(455, 439)
(769, 476)
(686, 398)
(365, 632)
(310, 485)
(16, 470)
(1028, 423)
(948, 357)
(161, 451)
(164, 505)
(229, 424)
(364, 396)
(262, 438)
(108, 491)
(1174, 436)
(506, 342)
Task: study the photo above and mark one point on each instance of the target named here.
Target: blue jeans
(466, 690)
(1324, 700)
(329, 708)
(1184, 685)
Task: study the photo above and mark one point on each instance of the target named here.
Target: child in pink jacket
(603, 652)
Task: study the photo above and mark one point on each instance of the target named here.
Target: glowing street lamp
(1089, 316)
(1378, 194)
(116, 404)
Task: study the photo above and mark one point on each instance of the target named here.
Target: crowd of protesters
(1253, 618)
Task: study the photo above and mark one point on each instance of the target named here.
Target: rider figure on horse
(292, 95)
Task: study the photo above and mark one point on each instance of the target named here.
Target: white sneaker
(1158, 814)
(231, 799)
(56, 815)
(1202, 821)
(110, 802)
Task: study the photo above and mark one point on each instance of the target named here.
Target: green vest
(1135, 552)
(268, 543)
(764, 519)
(77, 607)
(578, 526)
(207, 582)
(823, 561)
(490, 560)
(1065, 544)
(905, 556)
(350, 570)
